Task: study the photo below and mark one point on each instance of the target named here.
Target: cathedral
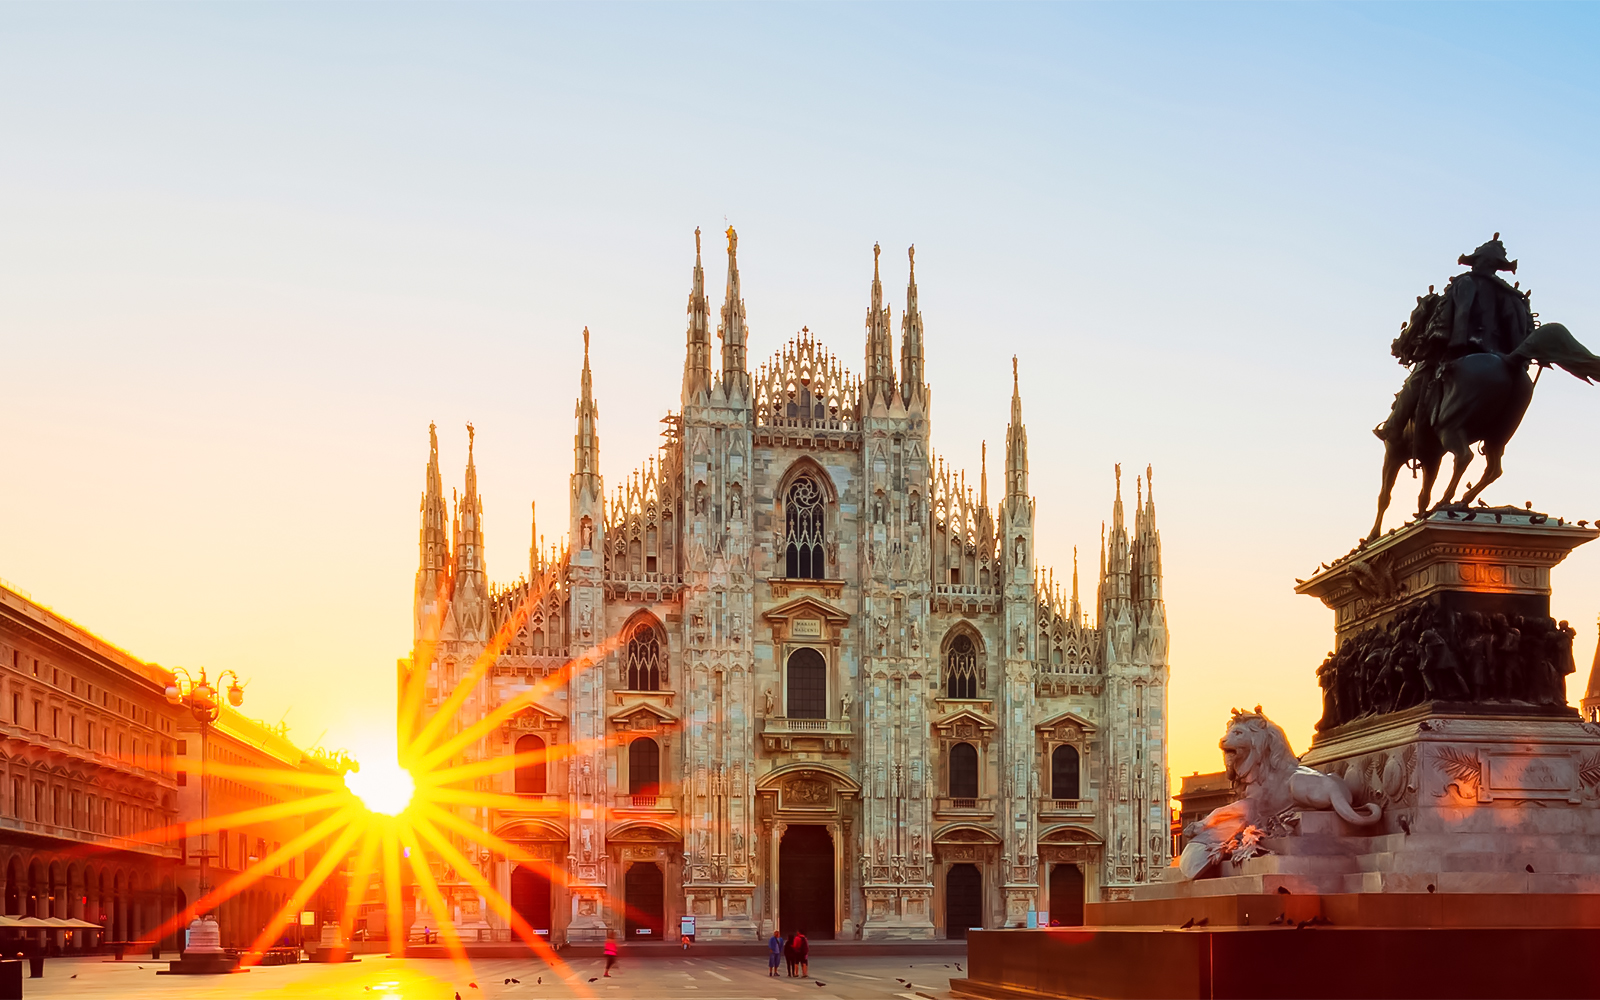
(795, 673)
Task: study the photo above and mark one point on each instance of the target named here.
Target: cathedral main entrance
(963, 900)
(644, 897)
(530, 898)
(1066, 895)
(806, 881)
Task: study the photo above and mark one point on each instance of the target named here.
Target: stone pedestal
(897, 913)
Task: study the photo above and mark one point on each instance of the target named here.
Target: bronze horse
(1449, 406)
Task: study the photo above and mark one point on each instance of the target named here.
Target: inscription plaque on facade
(806, 628)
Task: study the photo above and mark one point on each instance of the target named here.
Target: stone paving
(378, 977)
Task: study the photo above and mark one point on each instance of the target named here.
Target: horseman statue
(1469, 349)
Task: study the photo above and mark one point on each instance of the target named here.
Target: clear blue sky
(248, 252)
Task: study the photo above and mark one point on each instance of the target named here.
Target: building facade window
(963, 771)
(807, 685)
(961, 668)
(530, 774)
(644, 767)
(1064, 772)
(803, 531)
(645, 669)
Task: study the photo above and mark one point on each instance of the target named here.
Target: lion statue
(1268, 781)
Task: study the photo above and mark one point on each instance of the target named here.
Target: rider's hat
(1492, 252)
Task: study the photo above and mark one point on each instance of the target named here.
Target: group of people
(1427, 653)
(795, 951)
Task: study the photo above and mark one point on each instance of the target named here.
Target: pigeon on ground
(73, 976)
(539, 981)
(1186, 924)
(1283, 890)
(958, 966)
(592, 979)
(473, 985)
(1301, 925)
(1530, 869)
(1431, 887)
(458, 995)
(821, 983)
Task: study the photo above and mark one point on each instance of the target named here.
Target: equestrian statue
(1468, 349)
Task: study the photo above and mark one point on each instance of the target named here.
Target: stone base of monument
(1363, 963)
(208, 963)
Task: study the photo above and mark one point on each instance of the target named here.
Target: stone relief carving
(1462, 772)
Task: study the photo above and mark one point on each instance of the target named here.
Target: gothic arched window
(530, 774)
(963, 771)
(645, 667)
(644, 767)
(1064, 772)
(961, 668)
(807, 685)
(802, 522)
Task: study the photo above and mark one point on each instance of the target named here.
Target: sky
(249, 252)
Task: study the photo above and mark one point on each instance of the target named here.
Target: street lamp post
(201, 697)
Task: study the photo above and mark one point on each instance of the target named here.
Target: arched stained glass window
(645, 667)
(961, 668)
(1064, 773)
(963, 771)
(807, 685)
(530, 774)
(803, 530)
(644, 767)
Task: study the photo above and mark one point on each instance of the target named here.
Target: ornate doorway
(530, 897)
(963, 900)
(1066, 895)
(643, 895)
(806, 881)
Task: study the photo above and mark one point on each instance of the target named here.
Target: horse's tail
(1554, 344)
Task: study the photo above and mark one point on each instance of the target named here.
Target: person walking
(611, 951)
(774, 952)
(788, 953)
(802, 952)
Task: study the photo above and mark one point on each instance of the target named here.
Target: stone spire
(469, 522)
(536, 544)
(880, 346)
(1016, 443)
(1116, 587)
(732, 329)
(469, 583)
(983, 476)
(1075, 609)
(586, 444)
(697, 358)
(1147, 545)
(587, 500)
(911, 339)
(433, 543)
(1590, 705)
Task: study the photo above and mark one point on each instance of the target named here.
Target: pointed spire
(1076, 612)
(697, 357)
(586, 444)
(1116, 506)
(732, 328)
(433, 541)
(469, 520)
(1016, 443)
(983, 477)
(536, 544)
(880, 345)
(911, 366)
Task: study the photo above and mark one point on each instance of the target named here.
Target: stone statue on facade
(1468, 349)
(1269, 782)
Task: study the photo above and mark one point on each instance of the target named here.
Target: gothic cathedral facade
(796, 673)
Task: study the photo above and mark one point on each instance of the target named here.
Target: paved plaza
(379, 977)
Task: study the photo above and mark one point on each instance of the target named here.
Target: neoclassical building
(795, 671)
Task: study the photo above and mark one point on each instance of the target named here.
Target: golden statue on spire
(733, 241)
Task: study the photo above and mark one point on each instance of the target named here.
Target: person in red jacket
(611, 951)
